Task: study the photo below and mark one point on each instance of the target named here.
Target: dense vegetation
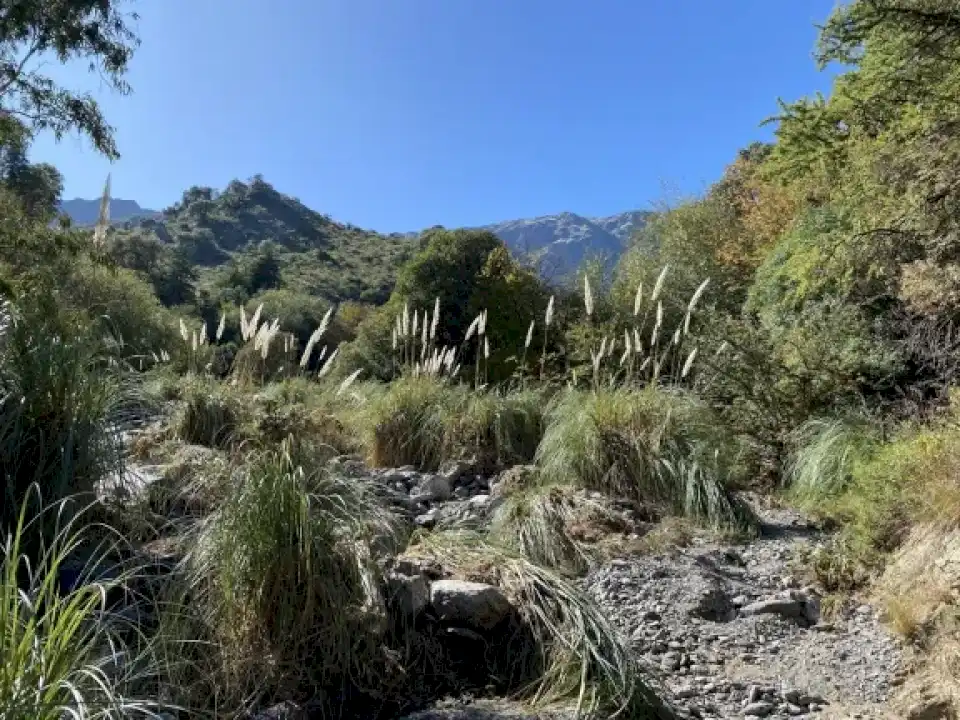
(791, 331)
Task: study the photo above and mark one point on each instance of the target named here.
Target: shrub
(653, 446)
(422, 422)
(547, 526)
(825, 455)
(575, 655)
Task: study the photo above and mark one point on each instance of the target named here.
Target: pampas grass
(652, 446)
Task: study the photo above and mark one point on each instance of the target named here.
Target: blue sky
(400, 114)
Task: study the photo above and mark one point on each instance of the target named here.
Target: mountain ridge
(556, 244)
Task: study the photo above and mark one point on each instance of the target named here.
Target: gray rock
(437, 487)
(470, 604)
(760, 708)
(409, 594)
(785, 607)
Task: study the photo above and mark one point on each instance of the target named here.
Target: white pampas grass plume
(348, 381)
(659, 284)
(638, 300)
(587, 296)
(328, 364)
(406, 320)
(184, 333)
(486, 348)
(637, 342)
(103, 220)
(482, 327)
(311, 343)
(548, 317)
(689, 363)
(436, 319)
(222, 326)
(473, 328)
(529, 339)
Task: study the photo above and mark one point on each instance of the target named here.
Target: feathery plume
(328, 364)
(436, 319)
(486, 348)
(659, 285)
(689, 362)
(473, 328)
(548, 318)
(529, 339)
(587, 296)
(348, 381)
(638, 300)
(222, 326)
(103, 220)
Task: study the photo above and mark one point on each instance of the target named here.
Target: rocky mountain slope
(558, 244)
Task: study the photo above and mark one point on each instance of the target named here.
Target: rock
(785, 607)
(470, 604)
(456, 472)
(931, 708)
(436, 487)
(409, 594)
(760, 708)
(428, 519)
(283, 711)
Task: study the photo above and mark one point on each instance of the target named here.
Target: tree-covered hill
(219, 232)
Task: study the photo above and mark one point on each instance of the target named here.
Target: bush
(652, 446)
(574, 652)
(423, 422)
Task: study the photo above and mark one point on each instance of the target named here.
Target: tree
(94, 31)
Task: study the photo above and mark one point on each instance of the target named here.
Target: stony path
(729, 634)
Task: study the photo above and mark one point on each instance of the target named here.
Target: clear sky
(399, 114)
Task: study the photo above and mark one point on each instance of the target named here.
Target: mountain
(339, 261)
(86, 212)
(558, 244)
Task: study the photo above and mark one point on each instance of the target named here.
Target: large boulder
(469, 604)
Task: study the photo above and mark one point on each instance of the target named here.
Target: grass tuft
(827, 450)
(651, 446)
(283, 584)
(64, 653)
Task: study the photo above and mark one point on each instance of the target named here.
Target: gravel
(728, 632)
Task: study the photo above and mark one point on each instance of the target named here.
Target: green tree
(93, 31)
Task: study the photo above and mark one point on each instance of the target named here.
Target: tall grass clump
(496, 428)
(407, 425)
(283, 585)
(653, 446)
(827, 451)
(576, 655)
(209, 414)
(57, 396)
(63, 653)
(545, 524)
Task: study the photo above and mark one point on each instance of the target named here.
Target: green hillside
(220, 232)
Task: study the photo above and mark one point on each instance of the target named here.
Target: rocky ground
(725, 630)
(730, 634)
